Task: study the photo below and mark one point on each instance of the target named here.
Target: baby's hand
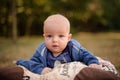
(95, 66)
(46, 70)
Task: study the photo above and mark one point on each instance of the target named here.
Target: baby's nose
(55, 39)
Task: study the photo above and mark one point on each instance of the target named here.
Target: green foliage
(84, 15)
(111, 13)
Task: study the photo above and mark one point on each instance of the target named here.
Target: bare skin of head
(56, 33)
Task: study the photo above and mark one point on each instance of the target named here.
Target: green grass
(105, 45)
(23, 49)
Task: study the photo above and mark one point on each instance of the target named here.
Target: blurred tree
(111, 14)
(5, 21)
(84, 15)
(14, 21)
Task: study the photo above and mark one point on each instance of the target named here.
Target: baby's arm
(46, 70)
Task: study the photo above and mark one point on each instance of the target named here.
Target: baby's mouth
(55, 45)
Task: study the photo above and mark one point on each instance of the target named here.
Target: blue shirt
(43, 57)
(64, 57)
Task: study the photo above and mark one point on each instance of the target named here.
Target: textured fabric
(65, 71)
(73, 71)
(107, 65)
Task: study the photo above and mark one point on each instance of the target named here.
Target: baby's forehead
(56, 18)
(57, 21)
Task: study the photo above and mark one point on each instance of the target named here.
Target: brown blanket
(16, 73)
(95, 74)
(11, 73)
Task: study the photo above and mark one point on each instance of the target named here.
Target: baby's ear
(43, 35)
(70, 36)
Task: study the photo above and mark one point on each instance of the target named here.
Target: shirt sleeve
(83, 55)
(36, 63)
(31, 65)
(87, 57)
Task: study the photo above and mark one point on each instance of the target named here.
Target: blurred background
(94, 23)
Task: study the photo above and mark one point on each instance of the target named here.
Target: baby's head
(56, 32)
(57, 21)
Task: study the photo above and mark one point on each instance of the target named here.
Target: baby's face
(56, 37)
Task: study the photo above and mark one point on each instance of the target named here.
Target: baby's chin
(56, 50)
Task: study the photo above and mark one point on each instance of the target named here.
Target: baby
(58, 47)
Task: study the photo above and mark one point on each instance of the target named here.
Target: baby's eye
(61, 36)
(49, 36)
